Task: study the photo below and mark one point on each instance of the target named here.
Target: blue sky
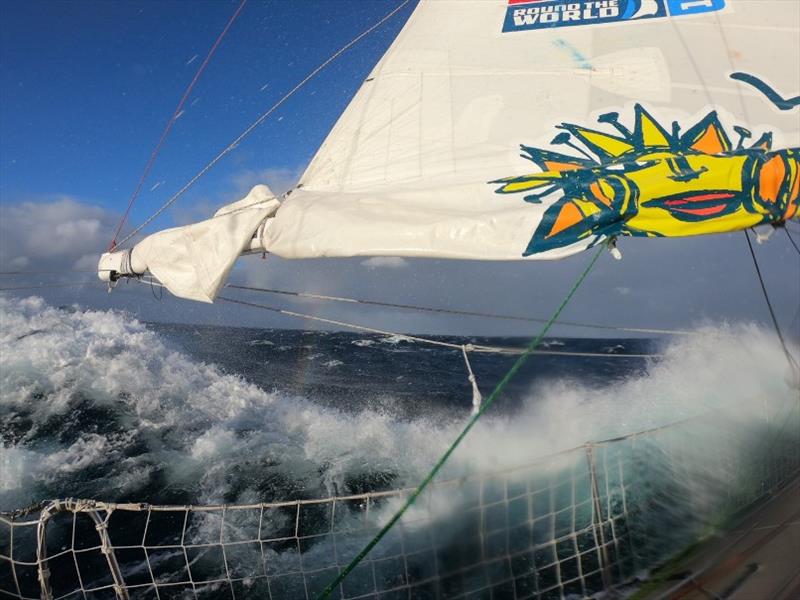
(87, 87)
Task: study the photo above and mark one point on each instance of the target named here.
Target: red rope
(171, 122)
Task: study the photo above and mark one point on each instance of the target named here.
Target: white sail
(405, 171)
(533, 129)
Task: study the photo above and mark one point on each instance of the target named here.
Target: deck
(758, 559)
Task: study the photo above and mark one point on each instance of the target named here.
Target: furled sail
(194, 261)
(533, 129)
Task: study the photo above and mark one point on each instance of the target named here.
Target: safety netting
(566, 525)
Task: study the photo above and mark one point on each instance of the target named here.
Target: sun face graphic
(652, 182)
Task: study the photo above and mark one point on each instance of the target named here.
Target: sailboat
(490, 130)
(529, 130)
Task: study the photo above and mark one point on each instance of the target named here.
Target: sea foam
(95, 404)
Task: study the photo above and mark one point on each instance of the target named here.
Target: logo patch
(654, 180)
(522, 15)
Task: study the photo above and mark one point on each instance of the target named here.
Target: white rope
(451, 311)
(357, 327)
(414, 338)
(477, 398)
(260, 120)
(126, 263)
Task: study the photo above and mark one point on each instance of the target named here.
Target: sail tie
(477, 398)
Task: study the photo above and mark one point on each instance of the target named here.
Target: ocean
(99, 405)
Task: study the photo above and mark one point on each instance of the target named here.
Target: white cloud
(388, 262)
(19, 262)
(278, 180)
(197, 210)
(53, 234)
(200, 209)
(69, 231)
(87, 262)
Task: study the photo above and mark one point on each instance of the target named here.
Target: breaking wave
(96, 404)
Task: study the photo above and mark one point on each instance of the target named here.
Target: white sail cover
(406, 170)
(194, 261)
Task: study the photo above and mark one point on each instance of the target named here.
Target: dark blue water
(353, 371)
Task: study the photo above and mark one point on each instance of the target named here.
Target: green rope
(486, 404)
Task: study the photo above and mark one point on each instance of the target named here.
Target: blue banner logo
(522, 15)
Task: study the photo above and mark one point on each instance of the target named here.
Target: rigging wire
(153, 287)
(690, 58)
(171, 122)
(791, 239)
(470, 347)
(413, 338)
(789, 356)
(730, 54)
(261, 119)
(469, 425)
(454, 311)
(706, 89)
